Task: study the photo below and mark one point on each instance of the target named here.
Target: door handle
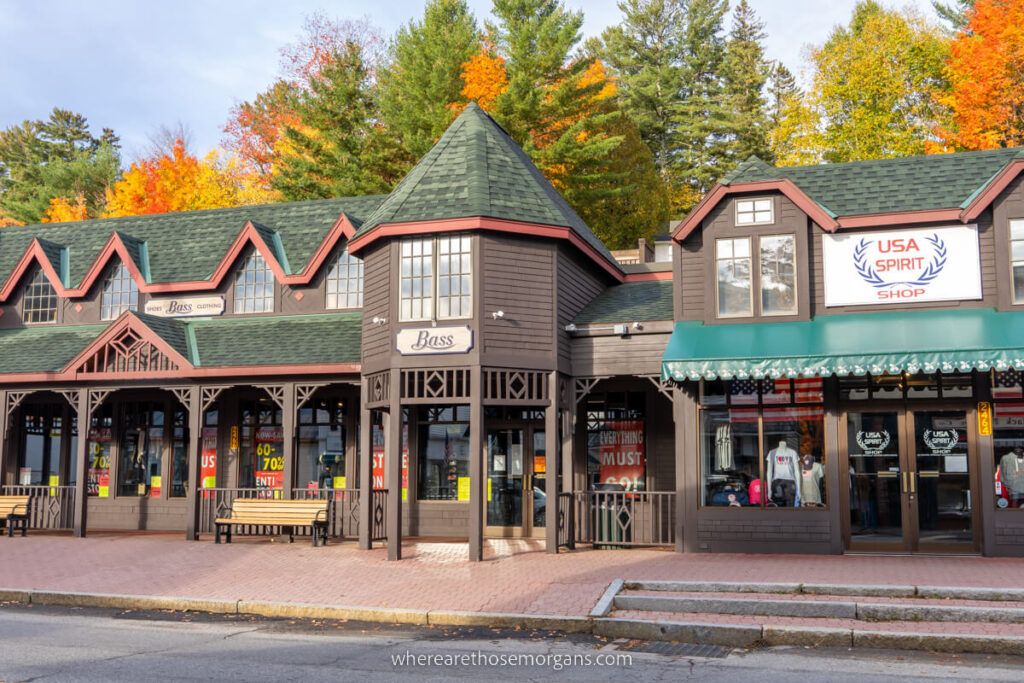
(913, 482)
(903, 477)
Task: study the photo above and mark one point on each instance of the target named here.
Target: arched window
(345, 282)
(254, 286)
(40, 302)
(120, 294)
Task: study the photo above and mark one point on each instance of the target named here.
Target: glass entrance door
(516, 500)
(910, 481)
(940, 480)
(876, 472)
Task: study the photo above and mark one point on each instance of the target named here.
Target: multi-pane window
(732, 261)
(754, 212)
(448, 279)
(417, 279)
(345, 282)
(120, 294)
(1017, 259)
(254, 286)
(454, 277)
(40, 302)
(778, 275)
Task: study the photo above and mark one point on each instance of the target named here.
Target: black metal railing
(343, 520)
(566, 520)
(624, 518)
(379, 515)
(49, 507)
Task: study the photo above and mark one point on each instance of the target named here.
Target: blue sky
(134, 66)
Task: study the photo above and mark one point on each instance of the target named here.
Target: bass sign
(434, 340)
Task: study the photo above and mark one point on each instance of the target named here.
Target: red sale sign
(620, 452)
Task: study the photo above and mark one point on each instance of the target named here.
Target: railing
(49, 507)
(625, 518)
(379, 515)
(343, 521)
(566, 521)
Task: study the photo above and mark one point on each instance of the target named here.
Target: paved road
(55, 644)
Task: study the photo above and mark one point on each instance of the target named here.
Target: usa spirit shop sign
(902, 266)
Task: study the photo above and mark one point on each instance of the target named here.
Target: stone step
(858, 590)
(912, 610)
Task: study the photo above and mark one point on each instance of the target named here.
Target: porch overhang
(951, 340)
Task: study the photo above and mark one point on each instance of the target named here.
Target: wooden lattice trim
(435, 384)
(515, 386)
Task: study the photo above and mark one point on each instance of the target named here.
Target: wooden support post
(476, 466)
(195, 454)
(5, 442)
(681, 405)
(288, 420)
(551, 442)
(393, 468)
(82, 463)
(568, 456)
(365, 466)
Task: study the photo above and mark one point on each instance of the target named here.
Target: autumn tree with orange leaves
(986, 78)
(180, 181)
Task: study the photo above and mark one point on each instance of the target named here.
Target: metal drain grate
(657, 647)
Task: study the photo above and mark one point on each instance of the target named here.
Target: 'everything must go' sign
(902, 266)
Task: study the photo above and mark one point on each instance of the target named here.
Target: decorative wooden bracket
(584, 385)
(664, 388)
(304, 392)
(276, 393)
(210, 395)
(183, 394)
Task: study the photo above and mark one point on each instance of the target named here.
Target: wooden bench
(14, 513)
(271, 512)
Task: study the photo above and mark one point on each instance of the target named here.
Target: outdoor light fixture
(498, 314)
(377, 320)
(571, 327)
(637, 326)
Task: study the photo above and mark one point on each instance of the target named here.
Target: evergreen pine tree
(423, 78)
(781, 88)
(338, 147)
(746, 72)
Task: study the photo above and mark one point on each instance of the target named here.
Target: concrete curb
(738, 606)
(604, 606)
(730, 635)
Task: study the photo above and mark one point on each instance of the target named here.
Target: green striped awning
(948, 340)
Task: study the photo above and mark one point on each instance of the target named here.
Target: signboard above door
(434, 340)
(186, 306)
(902, 266)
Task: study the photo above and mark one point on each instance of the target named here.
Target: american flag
(743, 392)
(1007, 385)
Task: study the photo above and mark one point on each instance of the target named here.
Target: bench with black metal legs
(14, 514)
(272, 512)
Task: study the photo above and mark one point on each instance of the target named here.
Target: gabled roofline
(784, 185)
(979, 201)
(490, 224)
(128, 321)
(992, 189)
(115, 246)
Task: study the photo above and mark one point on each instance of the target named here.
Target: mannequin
(1011, 474)
(783, 474)
(811, 474)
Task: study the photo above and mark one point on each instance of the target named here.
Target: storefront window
(732, 260)
(616, 444)
(898, 387)
(141, 452)
(443, 453)
(1008, 440)
(762, 443)
(39, 463)
(101, 437)
(322, 445)
(778, 275)
(179, 458)
(261, 447)
(208, 450)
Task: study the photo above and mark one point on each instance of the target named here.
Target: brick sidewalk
(518, 576)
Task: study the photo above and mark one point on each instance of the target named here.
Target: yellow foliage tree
(484, 78)
(63, 210)
(180, 181)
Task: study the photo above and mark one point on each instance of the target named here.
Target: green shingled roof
(476, 169)
(188, 245)
(327, 338)
(278, 340)
(937, 181)
(629, 302)
(43, 348)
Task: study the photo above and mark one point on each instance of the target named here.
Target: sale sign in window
(269, 454)
(618, 447)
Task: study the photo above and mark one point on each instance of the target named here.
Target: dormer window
(39, 304)
(120, 294)
(345, 282)
(756, 211)
(254, 286)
